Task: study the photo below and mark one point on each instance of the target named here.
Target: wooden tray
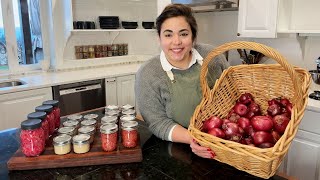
(96, 156)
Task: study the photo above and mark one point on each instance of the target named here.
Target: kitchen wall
(214, 28)
(221, 27)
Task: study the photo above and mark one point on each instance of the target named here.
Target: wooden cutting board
(96, 156)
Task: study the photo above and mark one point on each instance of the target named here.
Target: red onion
(240, 109)
(217, 132)
(262, 137)
(274, 109)
(262, 123)
(280, 123)
(245, 98)
(243, 122)
(212, 122)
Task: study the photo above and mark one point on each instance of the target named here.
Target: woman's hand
(201, 151)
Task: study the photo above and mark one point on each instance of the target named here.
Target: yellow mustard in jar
(62, 144)
(81, 143)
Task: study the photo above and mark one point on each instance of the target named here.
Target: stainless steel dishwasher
(80, 96)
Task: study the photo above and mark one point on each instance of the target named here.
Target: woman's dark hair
(175, 10)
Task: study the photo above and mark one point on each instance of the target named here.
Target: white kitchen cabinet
(120, 90)
(14, 107)
(303, 158)
(298, 16)
(257, 18)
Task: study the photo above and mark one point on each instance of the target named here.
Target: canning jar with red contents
(129, 134)
(109, 137)
(55, 110)
(32, 140)
(44, 121)
(50, 116)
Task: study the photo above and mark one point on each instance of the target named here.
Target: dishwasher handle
(79, 89)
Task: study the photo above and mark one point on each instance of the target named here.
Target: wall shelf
(90, 31)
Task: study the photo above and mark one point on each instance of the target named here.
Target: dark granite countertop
(161, 160)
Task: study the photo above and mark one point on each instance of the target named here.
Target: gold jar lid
(61, 139)
(71, 123)
(109, 119)
(81, 139)
(129, 125)
(88, 122)
(127, 118)
(86, 129)
(90, 116)
(108, 128)
(66, 130)
(77, 117)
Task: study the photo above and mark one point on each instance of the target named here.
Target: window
(20, 31)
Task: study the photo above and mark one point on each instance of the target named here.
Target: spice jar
(32, 139)
(50, 116)
(109, 120)
(89, 122)
(90, 116)
(109, 137)
(56, 111)
(90, 130)
(62, 144)
(67, 130)
(129, 134)
(77, 117)
(81, 143)
(44, 121)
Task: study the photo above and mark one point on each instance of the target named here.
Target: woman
(168, 85)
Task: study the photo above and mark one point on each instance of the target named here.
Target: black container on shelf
(147, 25)
(129, 24)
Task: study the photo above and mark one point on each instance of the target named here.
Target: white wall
(221, 27)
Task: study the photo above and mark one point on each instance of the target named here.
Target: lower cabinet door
(303, 158)
(14, 107)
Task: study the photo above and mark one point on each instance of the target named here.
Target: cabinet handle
(111, 80)
(238, 34)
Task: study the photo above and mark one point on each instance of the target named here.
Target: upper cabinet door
(257, 18)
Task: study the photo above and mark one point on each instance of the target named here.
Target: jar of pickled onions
(56, 111)
(50, 116)
(32, 139)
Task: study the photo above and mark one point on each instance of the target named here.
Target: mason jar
(109, 120)
(32, 139)
(50, 116)
(67, 130)
(62, 144)
(90, 130)
(127, 106)
(128, 112)
(77, 117)
(127, 118)
(90, 116)
(81, 143)
(56, 111)
(89, 122)
(44, 121)
(109, 137)
(129, 134)
(72, 123)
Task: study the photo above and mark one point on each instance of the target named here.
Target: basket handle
(265, 50)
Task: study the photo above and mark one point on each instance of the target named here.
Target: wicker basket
(263, 82)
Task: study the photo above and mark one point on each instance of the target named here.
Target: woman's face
(176, 40)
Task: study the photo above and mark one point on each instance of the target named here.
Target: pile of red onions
(246, 124)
